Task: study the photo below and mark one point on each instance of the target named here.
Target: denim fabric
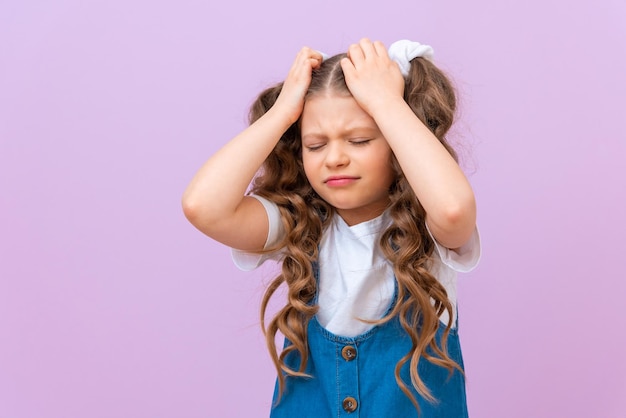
(369, 377)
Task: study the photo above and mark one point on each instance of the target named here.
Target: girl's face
(346, 159)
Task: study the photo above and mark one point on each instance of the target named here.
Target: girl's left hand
(374, 80)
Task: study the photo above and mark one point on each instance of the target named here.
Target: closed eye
(312, 148)
(360, 141)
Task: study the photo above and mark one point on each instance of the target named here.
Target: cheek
(305, 161)
(387, 171)
(388, 174)
(307, 164)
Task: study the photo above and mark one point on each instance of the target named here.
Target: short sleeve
(463, 259)
(249, 261)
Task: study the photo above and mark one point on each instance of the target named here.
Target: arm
(439, 183)
(214, 201)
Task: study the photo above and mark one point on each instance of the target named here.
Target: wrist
(381, 109)
(280, 118)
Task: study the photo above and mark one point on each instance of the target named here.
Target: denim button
(348, 353)
(350, 404)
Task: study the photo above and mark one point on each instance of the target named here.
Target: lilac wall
(112, 305)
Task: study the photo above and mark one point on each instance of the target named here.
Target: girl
(357, 193)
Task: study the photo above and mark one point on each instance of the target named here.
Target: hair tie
(404, 51)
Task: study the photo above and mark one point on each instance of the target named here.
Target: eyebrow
(345, 132)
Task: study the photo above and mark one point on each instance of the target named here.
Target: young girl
(357, 193)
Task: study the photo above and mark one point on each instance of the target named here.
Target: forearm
(436, 178)
(218, 187)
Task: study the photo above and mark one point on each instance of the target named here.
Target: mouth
(336, 181)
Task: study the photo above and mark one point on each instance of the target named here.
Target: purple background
(112, 305)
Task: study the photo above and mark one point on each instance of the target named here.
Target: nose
(336, 155)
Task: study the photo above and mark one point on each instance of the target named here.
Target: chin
(341, 205)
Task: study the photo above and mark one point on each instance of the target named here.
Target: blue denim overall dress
(354, 377)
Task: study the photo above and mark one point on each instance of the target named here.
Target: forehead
(335, 114)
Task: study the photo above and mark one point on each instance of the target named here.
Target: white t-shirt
(356, 281)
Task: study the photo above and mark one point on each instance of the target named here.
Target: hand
(374, 80)
(291, 98)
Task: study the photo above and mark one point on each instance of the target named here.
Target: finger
(316, 59)
(306, 58)
(355, 53)
(348, 69)
(317, 55)
(299, 58)
(368, 47)
(308, 55)
(380, 49)
(304, 54)
(315, 62)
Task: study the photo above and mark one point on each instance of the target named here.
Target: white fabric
(356, 281)
(249, 261)
(404, 51)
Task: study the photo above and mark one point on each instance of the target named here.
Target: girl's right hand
(290, 102)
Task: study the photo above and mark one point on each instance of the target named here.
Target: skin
(345, 157)
(218, 207)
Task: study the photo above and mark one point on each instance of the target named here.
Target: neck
(356, 216)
